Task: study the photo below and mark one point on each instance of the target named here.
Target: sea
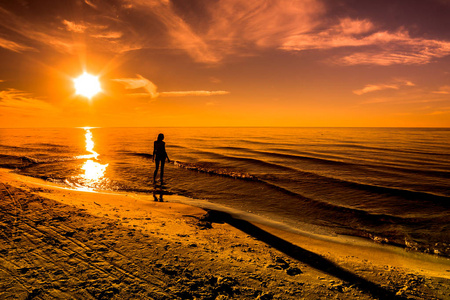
(389, 185)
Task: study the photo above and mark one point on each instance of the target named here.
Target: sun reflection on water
(90, 143)
(94, 172)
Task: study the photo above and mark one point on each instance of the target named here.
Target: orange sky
(226, 63)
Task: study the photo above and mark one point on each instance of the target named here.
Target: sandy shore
(61, 243)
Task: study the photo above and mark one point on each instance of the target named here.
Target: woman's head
(160, 137)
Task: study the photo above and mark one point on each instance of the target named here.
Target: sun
(87, 85)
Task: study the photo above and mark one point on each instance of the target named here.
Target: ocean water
(391, 185)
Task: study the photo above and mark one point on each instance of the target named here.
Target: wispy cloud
(384, 86)
(419, 98)
(407, 99)
(72, 26)
(88, 2)
(242, 28)
(192, 93)
(13, 46)
(102, 33)
(151, 89)
(137, 83)
(240, 24)
(410, 52)
(92, 30)
(232, 27)
(21, 102)
(32, 33)
(444, 90)
(347, 33)
(370, 46)
(182, 36)
(221, 29)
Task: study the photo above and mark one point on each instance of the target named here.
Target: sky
(346, 63)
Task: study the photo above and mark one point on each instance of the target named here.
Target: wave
(175, 146)
(22, 162)
(139, 154)
(8, 147)
(214, 171)
(381, 149)
(50, 145)
(334, 159)
(380, 169)
(13, 162)
(391, 168)
(309, 158)
(232, 148)
(405, 194)
(341, 184)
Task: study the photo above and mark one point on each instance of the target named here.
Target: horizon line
(93, 127)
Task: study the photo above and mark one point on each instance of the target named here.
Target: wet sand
(61, 243)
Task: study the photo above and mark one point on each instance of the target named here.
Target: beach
(64, 243)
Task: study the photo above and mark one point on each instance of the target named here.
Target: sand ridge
(70, 244)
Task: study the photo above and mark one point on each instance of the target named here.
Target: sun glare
(94, 172)
(87, 85)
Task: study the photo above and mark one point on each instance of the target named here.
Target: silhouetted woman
(159, 156)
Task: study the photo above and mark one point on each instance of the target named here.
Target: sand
(66, 244)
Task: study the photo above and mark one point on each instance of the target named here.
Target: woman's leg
(156, 169)
(162, 169)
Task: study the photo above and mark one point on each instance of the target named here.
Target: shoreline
(341, 267)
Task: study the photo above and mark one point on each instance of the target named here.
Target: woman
(159, 156)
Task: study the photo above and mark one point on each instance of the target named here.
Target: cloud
(370, 46)
(92, 30)
(151, 89)
(347, 33)
(182, 36)
(243, 28)
(261, 23)
(13, 46)
(137, 83)
(73, 27)
(348, 26)
(379, 87)
(412, 52)
(193, 93)
(21, 102)
(88, 2)
(108, 35)
(233, 27)
(445, 90)
(34, 32)
(417, 97)
(101, 31)
(212, 31)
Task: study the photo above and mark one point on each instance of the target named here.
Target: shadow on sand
(302, 255)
